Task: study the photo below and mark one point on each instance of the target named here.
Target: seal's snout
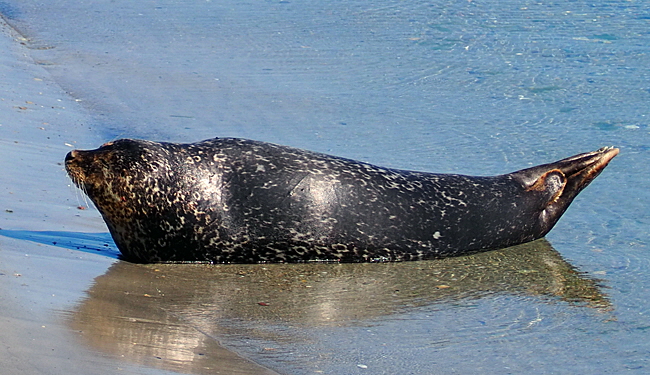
(75, 166)
(71, 156)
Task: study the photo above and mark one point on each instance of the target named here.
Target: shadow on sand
(94, 243)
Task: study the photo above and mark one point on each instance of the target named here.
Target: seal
(230, 200)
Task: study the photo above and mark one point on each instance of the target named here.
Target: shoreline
(39, 124)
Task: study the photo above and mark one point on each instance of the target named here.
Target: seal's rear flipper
(563, 180)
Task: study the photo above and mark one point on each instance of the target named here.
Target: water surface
(480, 87)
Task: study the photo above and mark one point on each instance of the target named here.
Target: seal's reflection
(171, 315)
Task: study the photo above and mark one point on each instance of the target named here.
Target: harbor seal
(229, 200)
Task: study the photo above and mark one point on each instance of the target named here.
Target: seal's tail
(563, 180)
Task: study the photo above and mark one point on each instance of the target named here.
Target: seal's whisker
(87, 203)
(82, 199)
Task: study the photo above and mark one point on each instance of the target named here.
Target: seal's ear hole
(552, 184)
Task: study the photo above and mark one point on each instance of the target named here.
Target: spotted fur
(243, 201)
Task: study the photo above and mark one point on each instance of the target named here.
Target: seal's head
(124, 179)
(111, 172)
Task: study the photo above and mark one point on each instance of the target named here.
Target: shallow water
(337, 318)
(466, 87)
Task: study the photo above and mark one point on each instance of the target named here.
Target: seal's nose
(71, 155)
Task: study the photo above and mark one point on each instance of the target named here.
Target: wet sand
(42, 278)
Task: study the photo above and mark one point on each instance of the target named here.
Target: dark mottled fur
(236, 200)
